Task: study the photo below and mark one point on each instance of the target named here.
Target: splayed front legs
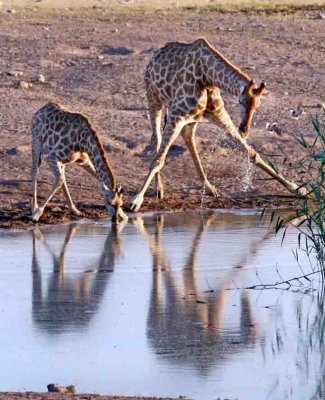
(58, 171)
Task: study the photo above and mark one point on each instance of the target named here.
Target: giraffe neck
(218, 71)
(98, 157)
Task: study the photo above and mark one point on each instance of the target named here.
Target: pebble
(320, 15)
(56, 388)
(39, 78)
(274, 128)
(11, 11)
(56, 209)
(14, 73)
(24, 85)
(12, 151)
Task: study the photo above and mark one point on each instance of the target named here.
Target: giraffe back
(70, 135)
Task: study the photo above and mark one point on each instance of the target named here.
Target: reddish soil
(93, 61)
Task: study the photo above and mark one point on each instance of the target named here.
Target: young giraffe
(65, 137)
(186, 79)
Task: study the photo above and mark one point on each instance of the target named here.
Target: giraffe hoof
(133, 207)
(36, 215)
(33, 219)
(160, 194)
(212, 191)
(75, 211)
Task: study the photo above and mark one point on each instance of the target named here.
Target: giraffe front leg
(155, 112)
(173, 128)
(73, 209)
(188, 134)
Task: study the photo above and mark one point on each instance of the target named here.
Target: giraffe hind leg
(57, 171)
(155, 112)
(36, 163)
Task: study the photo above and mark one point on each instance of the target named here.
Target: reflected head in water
(71, 300)
(64, 137)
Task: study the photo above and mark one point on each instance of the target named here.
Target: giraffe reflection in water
(71, 302)
(185, 325)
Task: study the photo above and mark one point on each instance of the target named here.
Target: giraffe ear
(260, 90)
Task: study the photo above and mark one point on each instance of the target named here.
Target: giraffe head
(114, 203)
(249, 101)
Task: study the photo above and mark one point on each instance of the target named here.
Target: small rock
(24, 85)
(320, 105)
(56, 388)
(11, 11)
(320, 15)
(298, 112)
(56, 209)
(14, 73)
(274, 128)
(12, 151)
(39, 78)
(71, 389)
(1, 4)
(100, 57)
(115, 30)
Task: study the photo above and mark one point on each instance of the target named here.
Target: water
(145, 310)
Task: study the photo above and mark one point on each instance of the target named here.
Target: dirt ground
(93, 61)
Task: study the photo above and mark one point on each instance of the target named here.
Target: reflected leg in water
(183, 323)
(71, 300)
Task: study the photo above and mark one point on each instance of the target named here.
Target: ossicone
(119, 190)
(260, 90)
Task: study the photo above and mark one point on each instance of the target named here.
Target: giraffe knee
(157, 164)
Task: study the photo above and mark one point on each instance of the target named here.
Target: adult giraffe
(186, 79)
(66, 137)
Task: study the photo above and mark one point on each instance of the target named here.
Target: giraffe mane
(224, 59)
(97, 138)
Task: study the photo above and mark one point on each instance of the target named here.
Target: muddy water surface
(145, 309)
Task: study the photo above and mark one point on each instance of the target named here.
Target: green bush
(309, 214)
